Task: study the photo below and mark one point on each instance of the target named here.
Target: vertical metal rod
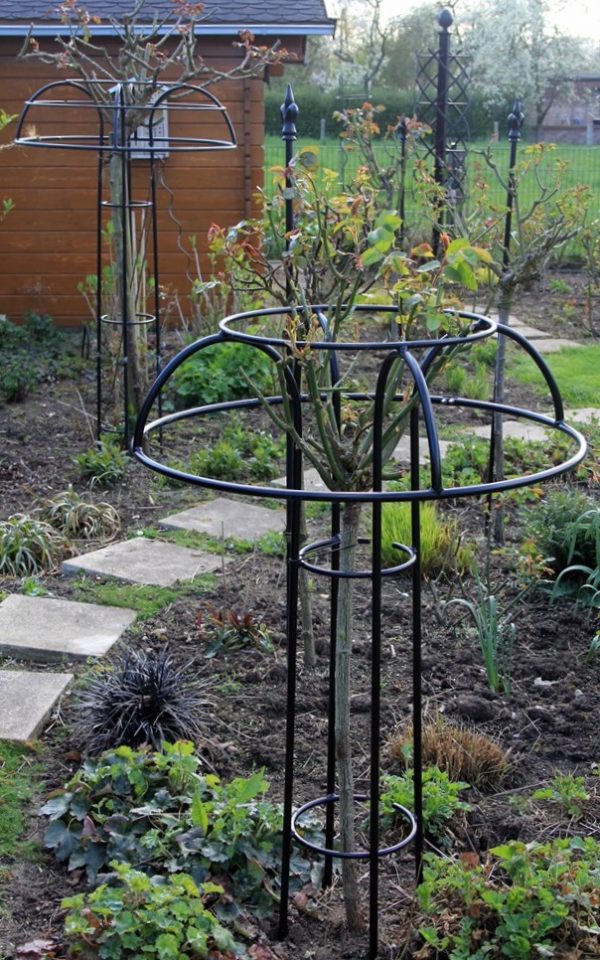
(154, 215)
(515, 123)
(289, 114)
(333, 626)
(441, 116)
(415, 507)
(119, 138)
(402, 131)
(99, 296)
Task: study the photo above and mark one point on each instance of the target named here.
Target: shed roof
(267, 17)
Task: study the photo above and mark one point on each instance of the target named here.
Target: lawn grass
(583, 167)
(148, 601)
(576, 370)
(20, 773)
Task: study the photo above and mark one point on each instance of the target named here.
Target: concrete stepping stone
(312, 481)
(525, 329)
(47, 629)
(151, 562)
(26, 701)
(583, 415)
(402, 451)
(555, 345)
(522, 430)
(227, 518)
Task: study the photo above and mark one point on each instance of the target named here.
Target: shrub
(222, 373)
(222, 462)
(567, 792)
(226, 630)
(159, 811)
(146, 916)
(28, 546)
(17, 377)
(78, 518)
(524, 901)
(441, 800)
(441, 548)
(461, 753)
(103, 464)
(566, 529)
(240, 454)
(143, 698)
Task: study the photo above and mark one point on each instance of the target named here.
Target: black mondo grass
(143, 698)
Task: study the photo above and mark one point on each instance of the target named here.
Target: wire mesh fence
(582, 166)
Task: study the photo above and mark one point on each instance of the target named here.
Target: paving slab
(582, 415)
(402, 451)
(227, 518)
(525, 329)
(523, 430)
(151, 562)
(48, 629)
(555, 344)
(312, 481)
(26, 701)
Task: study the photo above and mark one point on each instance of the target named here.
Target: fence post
(441, 113)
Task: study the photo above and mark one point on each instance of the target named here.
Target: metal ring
(356, 574)
(345, 854)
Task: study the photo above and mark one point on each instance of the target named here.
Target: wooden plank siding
(48, 241)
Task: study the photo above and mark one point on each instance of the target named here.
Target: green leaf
(56, 806)
(371, 256)
(199, 813)
(249, 787)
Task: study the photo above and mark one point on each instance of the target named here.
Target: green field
(583, 167)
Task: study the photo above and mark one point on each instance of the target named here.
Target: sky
(577, 17)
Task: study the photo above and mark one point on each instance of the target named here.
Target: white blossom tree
(517, 51)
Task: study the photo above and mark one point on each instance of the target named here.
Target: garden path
(45, 630)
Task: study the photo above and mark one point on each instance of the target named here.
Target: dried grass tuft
(461, 752)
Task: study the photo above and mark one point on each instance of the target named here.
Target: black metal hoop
(357, 574)
(345, 854)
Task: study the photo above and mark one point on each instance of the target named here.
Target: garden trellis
(267, 330)
(126, 124)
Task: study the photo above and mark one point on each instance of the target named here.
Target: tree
(543, 61)
(407, 37)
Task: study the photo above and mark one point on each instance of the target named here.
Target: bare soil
(548, 721)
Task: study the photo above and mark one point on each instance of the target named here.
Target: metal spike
(289, 114)
(515, 121)
(445, 19)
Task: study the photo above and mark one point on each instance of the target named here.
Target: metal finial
(515, 121)
(445, 19)
(289, 115)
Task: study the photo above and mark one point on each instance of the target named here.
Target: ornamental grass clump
(441, 548)
(29, 545)
(78, 518)
(462, 753)
(142, 698)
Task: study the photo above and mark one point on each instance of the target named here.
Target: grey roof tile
(292, 12)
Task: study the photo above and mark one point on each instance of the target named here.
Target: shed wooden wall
(48, 242)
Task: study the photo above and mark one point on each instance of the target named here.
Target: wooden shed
(48, 240)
